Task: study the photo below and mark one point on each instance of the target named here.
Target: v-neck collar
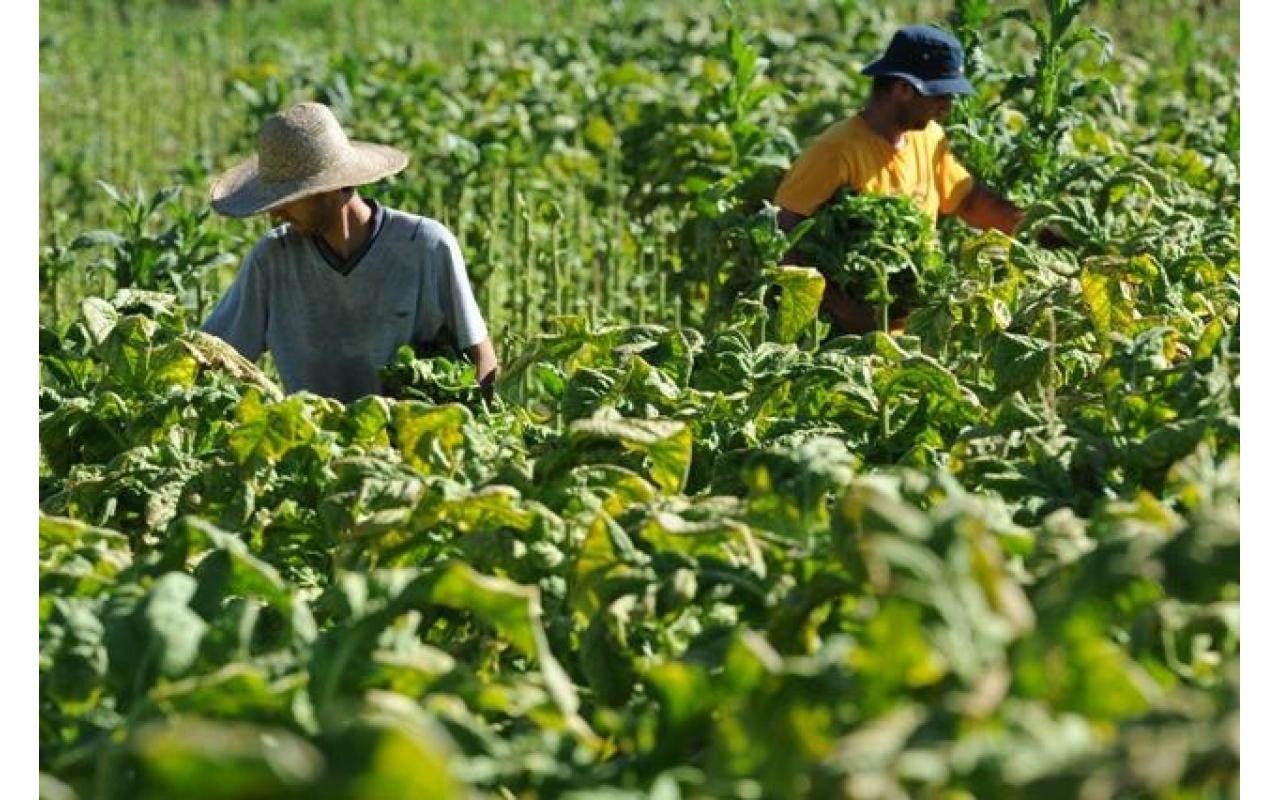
(345, 266)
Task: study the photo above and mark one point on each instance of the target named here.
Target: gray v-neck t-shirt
(330, 332)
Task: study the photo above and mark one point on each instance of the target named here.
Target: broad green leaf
(393, 748)
(802, 289)
(683, 691)
(1019, 362)
(431, 437)
(894, 654)
(604, 655)
(266, 431)
(509, 607)
(237, 690)
(201, 759)
(516, 612)
(1079, 668)
(100, 317)
(606, 551)
(1209, 339)
(704, 528)
(62, 531)
(1106, 297)
(226, 567)
(175, 629)
(666, 444)
(366, 420)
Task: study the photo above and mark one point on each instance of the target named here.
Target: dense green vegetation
(692, 547)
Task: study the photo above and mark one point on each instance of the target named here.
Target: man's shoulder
(405, 225)
(276, 243)
(841, 132)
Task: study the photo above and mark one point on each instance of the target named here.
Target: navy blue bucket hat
(927, 57)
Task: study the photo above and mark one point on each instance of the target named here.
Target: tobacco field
(693, 546)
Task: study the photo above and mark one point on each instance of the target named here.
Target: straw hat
(301, 151)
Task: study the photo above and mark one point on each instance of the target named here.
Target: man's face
(307, 215)
(915, 111)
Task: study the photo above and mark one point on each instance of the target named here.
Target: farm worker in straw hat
(895, 145)
(338, 288)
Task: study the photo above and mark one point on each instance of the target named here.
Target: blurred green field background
(151, 94)
(137, 91)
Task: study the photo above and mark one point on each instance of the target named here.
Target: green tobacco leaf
(666, 444)
(509, 607)
(587, 391)
(100, 317)
(78, 559)
(366, 420)
(100, 238)
(1019, 362)
(136, 363)
(895, 654)
(869, 509)
(604, 656)
(393, 749)
(265, 432)
(62, 531)
(174, 629)
(516, 612)
(431, 437)
(227, 568)
(491, 508)
(684, 693)
(606, 551)
(705, 528)
(1208, 342)
(802, 289)
(1077, 667)
(1106, 298)
(236, 690)
(201, 759)
(1169, 443)
(73, 659)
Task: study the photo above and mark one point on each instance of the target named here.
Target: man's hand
(849, 315)
(1051, 238)
(983, 209)
(486, 361)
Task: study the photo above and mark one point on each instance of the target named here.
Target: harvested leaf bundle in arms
(431, 375)
(877, 248)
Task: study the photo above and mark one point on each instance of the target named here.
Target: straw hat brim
(241, 191)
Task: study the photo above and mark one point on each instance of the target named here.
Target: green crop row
(691, 547)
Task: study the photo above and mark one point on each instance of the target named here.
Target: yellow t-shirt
(850, 154)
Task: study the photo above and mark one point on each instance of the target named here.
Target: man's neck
(351, 227)
(881, 122)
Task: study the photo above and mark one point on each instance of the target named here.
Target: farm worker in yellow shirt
(895, 145)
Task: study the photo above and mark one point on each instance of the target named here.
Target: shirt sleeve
(240, 318)
(813, 178)
(457, 301)
(954, 181)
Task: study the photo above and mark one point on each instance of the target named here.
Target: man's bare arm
(787, 219)
(983, 209)
(486, 361)
(849, 316)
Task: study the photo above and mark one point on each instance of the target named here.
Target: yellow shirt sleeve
(954, 181)
(813, 178)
